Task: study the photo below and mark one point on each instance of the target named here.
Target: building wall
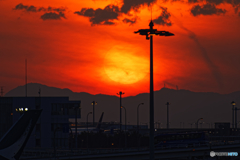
(6, 119)
(43, 134)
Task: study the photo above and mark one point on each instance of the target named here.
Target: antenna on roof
(26, 75)
(39, 92)
(2, 91)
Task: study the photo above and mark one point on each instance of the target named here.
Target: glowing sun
(125, 68)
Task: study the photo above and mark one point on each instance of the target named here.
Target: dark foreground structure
(14, 141)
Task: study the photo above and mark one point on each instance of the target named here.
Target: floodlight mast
(152, 32)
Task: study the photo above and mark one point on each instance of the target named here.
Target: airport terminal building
(56, 112)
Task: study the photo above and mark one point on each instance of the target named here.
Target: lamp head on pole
(152, 32)
(89, 113)
(94, 103)
(151, 24)
(233, 103)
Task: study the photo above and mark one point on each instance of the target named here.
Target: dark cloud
(56, 9)
(194, 1)
(86, 12)
(163, 19)
(217, 2)
(134, 4)
(52, 13)
(100, 16)
(207, 9)
(235, 2)
(21, 6)
(236, 9)
(131, 21)
(111, 12)
(32, 8)
(52, 16)
(108, 23)
(42, 9)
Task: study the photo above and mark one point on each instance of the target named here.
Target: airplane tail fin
(100, 121)
(14, 141)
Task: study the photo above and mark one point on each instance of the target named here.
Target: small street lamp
(236, 125)
(190, 124)
(87, 128)
(233, 104)
(125, 126)
(138, 116)
(93, 104)
(167, 115)
(120, 93)
(197, 121)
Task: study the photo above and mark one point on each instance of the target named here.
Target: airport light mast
(152, 32)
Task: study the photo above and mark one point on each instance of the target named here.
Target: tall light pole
(233, 104)
(93, 104)
(152, 32)
(76, 114)
(138, 116)
(120, 93)
(190, 124)
(125, 126)
(198, 121)
(54, 140)
(236, 125)
(167, 115)
(87, 128)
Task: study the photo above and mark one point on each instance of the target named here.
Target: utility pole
(93, 112)
(120, 93)
(167, 115)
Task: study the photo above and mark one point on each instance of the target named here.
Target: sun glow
(125, 67)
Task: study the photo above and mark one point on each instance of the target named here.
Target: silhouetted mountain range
(186, 106)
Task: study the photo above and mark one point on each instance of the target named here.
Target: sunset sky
(90, 45)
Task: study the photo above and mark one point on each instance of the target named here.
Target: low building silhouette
(54, 118)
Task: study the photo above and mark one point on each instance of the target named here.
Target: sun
(125, 68)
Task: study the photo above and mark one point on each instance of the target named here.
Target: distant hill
(186, 106)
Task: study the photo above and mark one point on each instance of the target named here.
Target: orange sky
(88, 47)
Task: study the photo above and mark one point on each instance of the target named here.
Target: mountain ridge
(186, 106)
